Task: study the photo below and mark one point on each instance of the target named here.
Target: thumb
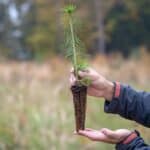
(83, 74)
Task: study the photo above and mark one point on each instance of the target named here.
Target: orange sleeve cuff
(117, 89)
(130, 138)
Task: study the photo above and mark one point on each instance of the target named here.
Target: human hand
(105, 135)
(99, 87)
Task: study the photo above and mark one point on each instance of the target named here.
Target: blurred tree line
(115, 25)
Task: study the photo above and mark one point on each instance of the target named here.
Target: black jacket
(135, 106)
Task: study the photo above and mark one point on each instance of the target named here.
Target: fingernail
(80, 73)
(71, 70)
(75, 132)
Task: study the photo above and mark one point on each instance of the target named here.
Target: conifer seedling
(75, 54)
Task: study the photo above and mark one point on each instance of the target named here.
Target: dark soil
(79, 99)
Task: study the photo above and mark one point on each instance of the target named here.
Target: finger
(86, 134)
(75, 132)
(93, 92)
(72, 70)
(92, 134)
(72, 77)
(89, 73)
(88, 129)
(72, 80)
(109, 133)
(83, 74)
(96, 136)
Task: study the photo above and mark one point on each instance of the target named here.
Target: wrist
(109, 91)
(112, 91)
(130, 141)
(131, 137)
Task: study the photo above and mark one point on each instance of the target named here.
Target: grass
(37, 110)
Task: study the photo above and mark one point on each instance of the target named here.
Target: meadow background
(36, 107)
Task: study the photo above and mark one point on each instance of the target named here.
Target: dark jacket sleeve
(136, 144)
(131, 105)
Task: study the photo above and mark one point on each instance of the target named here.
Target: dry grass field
(36, 110)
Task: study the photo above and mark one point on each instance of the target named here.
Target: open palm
(105, 135)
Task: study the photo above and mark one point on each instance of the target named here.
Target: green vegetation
(44, 120)
(75, 52)
(125, 25)
(36, 108)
